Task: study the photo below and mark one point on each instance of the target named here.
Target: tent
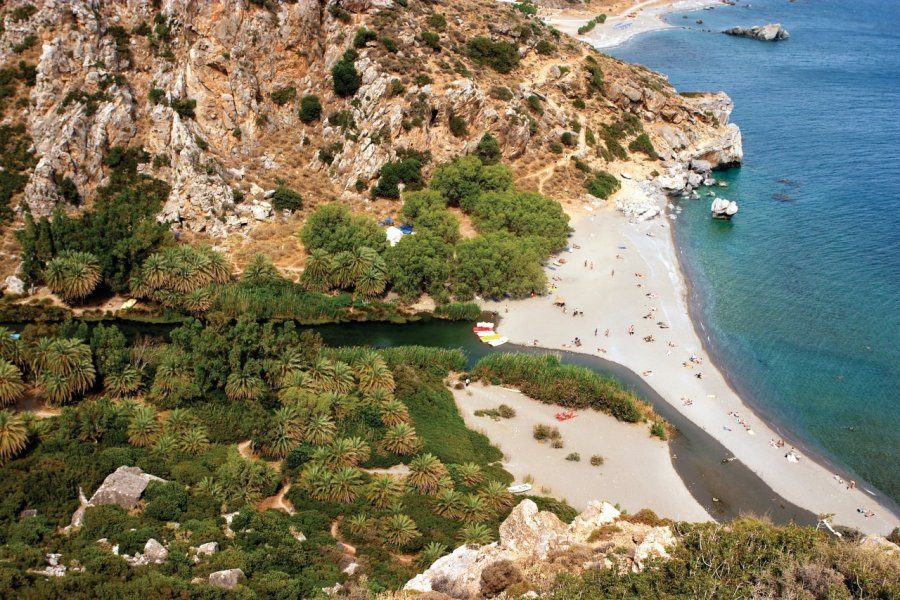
(394, 235)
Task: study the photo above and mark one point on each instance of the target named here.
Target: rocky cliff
(211, 90)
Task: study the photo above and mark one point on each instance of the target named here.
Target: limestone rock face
(529, 536)
(13, 285)
(123, 487)
(529, 531)
(227, 579)
(773, 32)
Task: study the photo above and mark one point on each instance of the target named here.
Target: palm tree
(476, 534)
(342, 381)
(210, 486)
(447, 503)
(64, 367)
(359, 450)
(193, 441)
(244, 385)
(316, 479)
(343, 273)
(287, 420)
(378, 397)
(217, 266)
(155, 271)
(289, 362)
(198, 301)
(430, 553)
(169, 373)
(259, 270)
(317, 272)
(425, 473)
(496, 496)
(362, 259)
(383, 490)
(179, 421)
(400, 530)
(124, 382)
(320, 430)
(144, 428)
(472, 509)
(13, 434)
(400, 439)
(73, 275)
(165, 446)
(371, 283)
(10, 347)
(394, 412)
(320, 374)
(469, 474)
(358, 524)
(55, 387)
(11, 384)
(345, 485)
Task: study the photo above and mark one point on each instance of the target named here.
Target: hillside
(214, 93)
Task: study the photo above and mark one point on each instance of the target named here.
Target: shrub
(602, 185)
(568, 138)
(595, 76)
(596, 460)
(310, 108)
(346, 79)
(339, 13)
(28, 42)
(498, 92)
(556, 443)
(488, 150)
(544, 47)
(658, 429)
(579, 103)
(283, 95)
(286, 199)
(534, 103)
(526, 7)
(458, 311)
(389, 44)
(458, 126)
(432, 40)
(498, 576)
(363, 36)
(507, 412)
(503, 57)
(541, 432)
(573, 457)
(556, 148)
(643, 144)
(184, 106)
(157, 95)
(396, 87)
(437, 21)
(406, 170)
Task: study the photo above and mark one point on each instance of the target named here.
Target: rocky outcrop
(772, 32)
(529, 536)
(123, 487)
(723, 208)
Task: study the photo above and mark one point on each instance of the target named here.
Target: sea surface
(799, 296)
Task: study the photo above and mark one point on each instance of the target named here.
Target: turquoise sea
(799, 296)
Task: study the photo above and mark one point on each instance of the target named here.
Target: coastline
(810, 483)
(619, 28)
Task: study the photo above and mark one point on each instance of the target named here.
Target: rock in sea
(772, 32)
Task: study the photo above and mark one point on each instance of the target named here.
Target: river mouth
(726, 490)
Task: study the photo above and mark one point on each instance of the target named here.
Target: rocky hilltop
(215, 92)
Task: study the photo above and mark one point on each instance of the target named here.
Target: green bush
(545, 48)
(432, 40)
(658, 429)
(157, 95)
(573, 457)
(526, 7)
(437, 21)
(544, 378)
(500, 93)
(595, 76)
(602, 185)
(346, 80)
(407, 169)
(286, 199)
(643, 144)
(458, 311)
(184, 107)
(597, 460)
(389, 44)
(28, 42)
(488, 150)
(556, 148)
(503, 57)
(283, 95)
(310, 109)
(363, 36)
(458, 126)
(332, 228)
(534, 103)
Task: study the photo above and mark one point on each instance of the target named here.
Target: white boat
(519, 489)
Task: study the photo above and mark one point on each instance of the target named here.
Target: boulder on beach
(722, 208)
(772, 32)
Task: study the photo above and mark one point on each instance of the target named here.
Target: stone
(226, 579)
(594, 516)
(155, 552)
(530, 531)
(209, 548)
(13, 285)
(773, 32)
(348, 565)
(123, 487)
(458, 574)
(700, 166)
(27, 513)
(722, 208)
(881, 543)
(653, 544)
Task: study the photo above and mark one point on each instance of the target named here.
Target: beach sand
(619, 27)
(613, 297)
(637, 471)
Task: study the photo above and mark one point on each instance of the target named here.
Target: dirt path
(246, 451)
(277, 502)
(335, 533)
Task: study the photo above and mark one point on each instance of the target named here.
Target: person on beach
(595, 332)
(612, 273)
(631, 330)
(606, 333)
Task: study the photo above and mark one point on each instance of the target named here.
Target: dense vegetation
(177, 409)
(544, 378)
(747, 558)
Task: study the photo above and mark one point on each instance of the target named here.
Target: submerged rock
(772, 32)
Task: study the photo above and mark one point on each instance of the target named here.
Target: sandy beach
(621, 24)
(627, 275)
(622, 445)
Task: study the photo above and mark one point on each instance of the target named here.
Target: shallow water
(800, 295)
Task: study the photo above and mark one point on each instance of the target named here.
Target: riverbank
(622, 445)
(627, 275)
(624, 20)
